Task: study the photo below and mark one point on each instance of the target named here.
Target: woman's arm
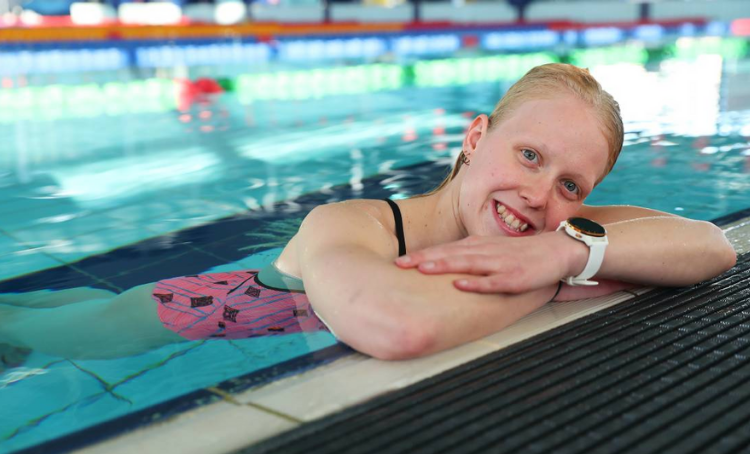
(646, 247)
(346, 260)
(650, 247)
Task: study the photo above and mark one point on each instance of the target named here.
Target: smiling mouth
(510, 219)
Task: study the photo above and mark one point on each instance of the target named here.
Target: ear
(477, 130)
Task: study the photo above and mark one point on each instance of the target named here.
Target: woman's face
(536, 167)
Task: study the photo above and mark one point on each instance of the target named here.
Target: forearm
(391, 313)
(458, 317)
(662, 251)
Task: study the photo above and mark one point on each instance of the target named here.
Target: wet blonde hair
(545, 80)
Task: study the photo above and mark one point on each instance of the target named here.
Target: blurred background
(145, 140)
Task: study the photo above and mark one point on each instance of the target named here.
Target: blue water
(116, 193)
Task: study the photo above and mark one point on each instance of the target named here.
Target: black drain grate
(665, 372)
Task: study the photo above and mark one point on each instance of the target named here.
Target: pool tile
(8, 245)
(58, 277)
(78, 238)
(239, 247)
(84, 413)
(25, 206)
(72, 249)
(40, 360)
(27, 220)
(234, 226)
(21, 260)
(219, 427)
(140, 212)
(42, 394)
(185, 213)
(142, 254)
(219, 359)
(217, 231)
(71, 239)
(251, 237)
(229, 248)
(168, 206)
(252, 262)
(191, 262)
(120, 370)
(63, 226)
(179, 376)
(352, 380)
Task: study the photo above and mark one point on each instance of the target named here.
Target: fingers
(432, 254)
(406, 261)
(444, 252)
(466, 263)
(492, 284)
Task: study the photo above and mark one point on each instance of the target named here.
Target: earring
(464, 158)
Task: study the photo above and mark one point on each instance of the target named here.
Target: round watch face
(587, 227)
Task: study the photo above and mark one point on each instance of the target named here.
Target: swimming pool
(115, 182)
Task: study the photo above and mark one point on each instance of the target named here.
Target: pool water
(115, 183)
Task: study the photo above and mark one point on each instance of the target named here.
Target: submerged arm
(346, 258)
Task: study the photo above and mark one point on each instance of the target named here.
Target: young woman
(484, 249)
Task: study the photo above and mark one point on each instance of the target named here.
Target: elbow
(725, 257)
(729, 258)
(392, 332)
(719, 258)
(413, 345)
(406, 340)
(716, 252)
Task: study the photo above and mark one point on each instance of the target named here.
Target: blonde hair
(541, 82)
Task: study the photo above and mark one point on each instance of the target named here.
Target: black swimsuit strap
(399, 227)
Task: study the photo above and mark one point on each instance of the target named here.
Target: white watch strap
(596, 257)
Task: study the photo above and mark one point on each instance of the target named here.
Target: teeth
(510, 219)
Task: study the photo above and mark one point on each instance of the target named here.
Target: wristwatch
(593, 235)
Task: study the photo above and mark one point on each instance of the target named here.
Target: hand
(503, 264)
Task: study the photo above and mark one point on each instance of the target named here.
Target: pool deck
(240, 420)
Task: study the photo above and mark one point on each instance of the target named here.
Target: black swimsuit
(399, 227)
(275, 279)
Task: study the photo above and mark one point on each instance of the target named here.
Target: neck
(432, 219)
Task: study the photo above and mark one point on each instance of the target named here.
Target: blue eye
(529, 154)
(571, 187)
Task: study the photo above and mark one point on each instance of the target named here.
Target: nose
(537, 192)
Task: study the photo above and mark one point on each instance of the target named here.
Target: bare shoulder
(361, 222)
(610, 214)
